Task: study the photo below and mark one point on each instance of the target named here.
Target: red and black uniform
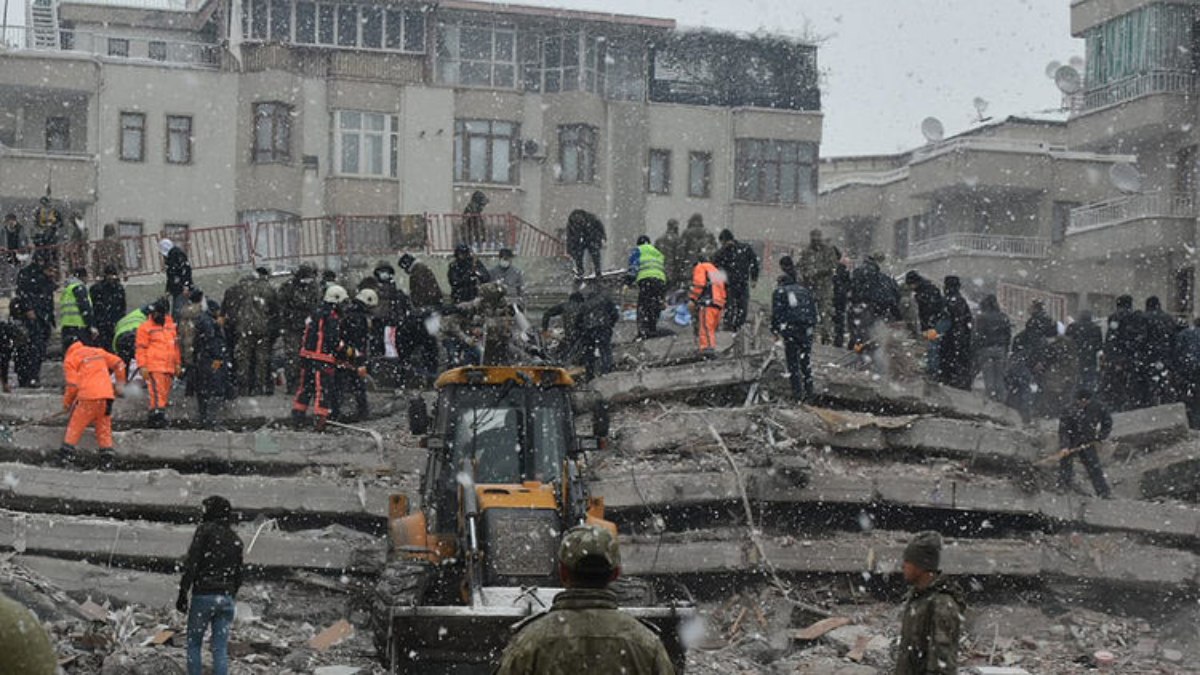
(320, 350)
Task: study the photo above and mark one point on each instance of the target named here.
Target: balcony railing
(23, 38)
(966, 243)
(1133, 207)
(1153, 82)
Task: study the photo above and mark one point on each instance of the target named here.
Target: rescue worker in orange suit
(707, 302)
(321, 349)
(158, 360)
(89, 396)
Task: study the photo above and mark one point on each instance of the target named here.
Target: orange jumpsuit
(89, 392)
(708, 294)
(158, 358)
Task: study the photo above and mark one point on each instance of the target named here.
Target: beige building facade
(167, 117)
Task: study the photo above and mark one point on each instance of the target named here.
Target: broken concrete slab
(962, 438)
(44, 407)
(1133, 430)
(667, 350)
(99, 539)
(170, 495)
(82, 580)
(863, 391)
(627, 386)
(684, 429)
(1173, 472)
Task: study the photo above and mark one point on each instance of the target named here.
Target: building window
(335, 24)
(573, 61)
(699, 174)
(130, 233)
(776, 172)
(1061, 220)
(577, 153)
(118, 47)
(179, 139)
(366, 144)
(157, 50)
(133, 137)
(477, 55)
(486, 151)
(178, 233)
(58, 134)
(272, 132)
(658, 172)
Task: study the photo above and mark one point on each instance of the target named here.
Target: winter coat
(871, 287)
(513, 281)
(955, 349)
(1159, 334)
(1089, 340)
(930, 304)
(213, 565)
(297, 299)
(992, 330)
(108, 303)
(1080, 426)
(35, 287)
(356, 327)
(597, 316)
(423, 287)
(671, 246)
(210, 344)
(465, 275)
(841, 288)
(186, 328)
(817, 265)
(1125, 337)
(157, 347)
(739, 262)
(793, 310)
(179, 271)
(258, 310)
(1187, 351)
(929, 631)
(86, 372)
(708, 289)
(694, 241)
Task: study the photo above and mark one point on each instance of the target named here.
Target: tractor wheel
(401, 584)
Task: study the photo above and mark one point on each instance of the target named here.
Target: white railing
(985, 144)
(874, 178)
(1132, 207)
(1153, 82)
(967, 243)
(133, 48)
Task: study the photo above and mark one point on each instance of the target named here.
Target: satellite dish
(1052, 68)
(1076, 62)
(981, 106)
(1067, 80)
(1125, 177)
(932, 129)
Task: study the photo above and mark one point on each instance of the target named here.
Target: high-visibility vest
(651, 263)
(69, 307)
(128, 324)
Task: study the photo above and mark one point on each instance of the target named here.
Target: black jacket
(209, 344)
(465, 277)
(992, 329)
(179, 271)
(739, 262)
(596, 317)
(214, 561)
(1159, 335)
(1089, 340)
(931, 306)
(1080, 426)
(871, 287)
(108, 302)
(841, 287)
(356, 327)
(38, 290)
(1126, 335)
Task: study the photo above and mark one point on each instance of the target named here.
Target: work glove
(181, 603)
(217, 363)
(931, 334)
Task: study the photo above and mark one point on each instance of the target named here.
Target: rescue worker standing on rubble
(465, 274)
(297, 298)
(75, 309)
(212, 363)
(179, 273)
(255, 321)
(423, 287)
(594, 325)
(793, 317)
(874, 296)
(674, 264)
(817, 265)
(739, 262)
(584, 632)
(212, 576)
(707, 302)
(124, 342)
(1123, 341)
(389, 310)
(841, 301)
(933, 612)
(321, 348)
(356, 331)
(695, 241)
(1080, 430)
(931, 315)
(108, 305)
(157, 353)
(88, 398)
(954, 350)
(35, 298)
(570, 347)
(647, 269)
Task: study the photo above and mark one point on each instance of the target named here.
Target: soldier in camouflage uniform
(671, 246)
(584, 633)
(817, 265)
(695, 240)
(255, 318)
(298, 297)
(933, 612)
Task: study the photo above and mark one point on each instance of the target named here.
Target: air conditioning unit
(531, 149)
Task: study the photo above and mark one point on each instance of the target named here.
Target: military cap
(925, 551)
(589, 548)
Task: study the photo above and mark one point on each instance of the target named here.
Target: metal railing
(967, 243)
(1015, 301)
(1132, 207)
(1153, 82)
(135, 48)
(984, 144)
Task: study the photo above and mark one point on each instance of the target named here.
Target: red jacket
(87, 373)
(708, 286)
(157, 348)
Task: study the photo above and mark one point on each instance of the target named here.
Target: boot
(66, 455)
(321, 423)
(108, 459)
(297, 419)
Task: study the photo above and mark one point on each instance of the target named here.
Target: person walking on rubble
(817, 265)
(321, 349)
(75, 309)
(88, 397)
(932, 614)
(739, 262)
(671, 246)
(1080, 430)
(989, 344)
(647, 269)
(793, 316)
(584, 632)
(212, 575)
(157, 354)
(707, 302)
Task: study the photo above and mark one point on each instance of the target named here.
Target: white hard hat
(336, 294)
(368, 297)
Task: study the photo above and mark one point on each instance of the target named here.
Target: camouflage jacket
(930, 629)
(585, 634)
(817, 265)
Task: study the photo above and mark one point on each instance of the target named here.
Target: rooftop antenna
(981, 106)
(932, 129)
(1125, 177)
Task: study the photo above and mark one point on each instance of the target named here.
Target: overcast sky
(888, 64)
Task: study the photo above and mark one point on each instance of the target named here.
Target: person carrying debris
(933, 610)
(707, 303)
(1080, 430)
(584, 631)
(647, 269)
(88, 397)
(739, 262)
(212, 575)
(75, 309)
(321, 347)
(157, 353)
(793, 316)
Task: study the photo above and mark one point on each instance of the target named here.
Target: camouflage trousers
(252, 361)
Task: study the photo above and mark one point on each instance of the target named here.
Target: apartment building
(162, 115)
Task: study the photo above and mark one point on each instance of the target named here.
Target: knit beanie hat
(925, 551)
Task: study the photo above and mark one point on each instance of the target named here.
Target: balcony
(1127, 209)
(25, 173)
(1133, 225)
(970, 244)
(124, 47)
(1154, 82)
(1132, 111)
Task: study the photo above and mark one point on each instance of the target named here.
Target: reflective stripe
(651, 263)
(69, 308)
